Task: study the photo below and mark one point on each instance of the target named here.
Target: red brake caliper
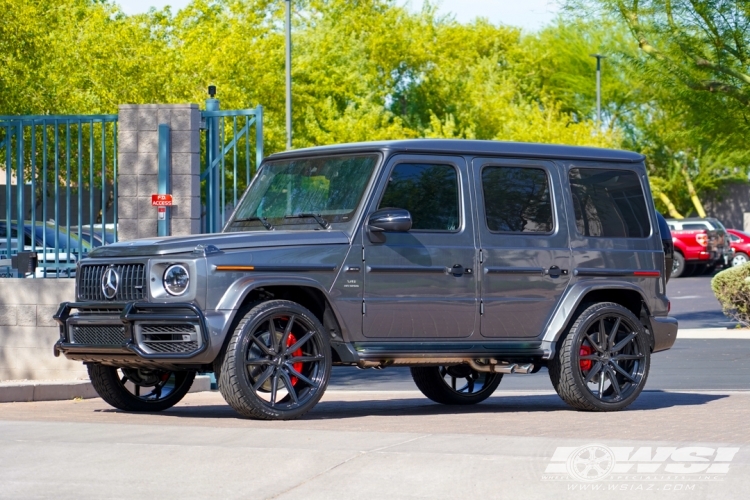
(297, 366)
(585, 363)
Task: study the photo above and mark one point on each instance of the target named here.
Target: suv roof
(463, 146)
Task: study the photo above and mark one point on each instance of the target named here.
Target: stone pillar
(746, 222)
(138, 168)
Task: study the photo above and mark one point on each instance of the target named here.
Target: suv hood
(167, 245)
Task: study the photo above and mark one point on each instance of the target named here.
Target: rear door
(524, 251)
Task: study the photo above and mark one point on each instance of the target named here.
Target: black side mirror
(392, 220)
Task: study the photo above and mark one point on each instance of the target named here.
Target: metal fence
(59, 198)
(228, 167)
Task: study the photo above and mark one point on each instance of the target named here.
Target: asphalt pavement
(694, 304)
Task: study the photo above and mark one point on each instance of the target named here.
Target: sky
(527, 14)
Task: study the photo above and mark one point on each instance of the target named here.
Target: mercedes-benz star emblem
(110, 282)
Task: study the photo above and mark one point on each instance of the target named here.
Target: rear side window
(517, 200)
(609, 203)
(693, 227)
(428, 191)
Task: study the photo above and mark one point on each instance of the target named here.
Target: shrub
(732, 289)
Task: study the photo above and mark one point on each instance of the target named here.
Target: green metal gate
(60, 187)
(228, 165)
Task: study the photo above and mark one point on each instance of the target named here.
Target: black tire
(607, 344)
(279, 350)
(431, 380)
(111, 384)
(678, 265)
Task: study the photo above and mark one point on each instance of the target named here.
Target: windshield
(288, 192)
(64, 241)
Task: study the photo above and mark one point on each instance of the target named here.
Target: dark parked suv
(464, 260)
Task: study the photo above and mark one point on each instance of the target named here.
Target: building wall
(729, 205)
(28, 332)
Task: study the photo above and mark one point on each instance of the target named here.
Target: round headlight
(176, 279)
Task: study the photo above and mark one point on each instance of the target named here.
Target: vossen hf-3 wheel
(277, 363)
(140, 389)
(455, 385)
(603, 362)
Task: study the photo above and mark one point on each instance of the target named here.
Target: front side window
(517, 200)
(428, 191)
(609, 203)
(287, 191)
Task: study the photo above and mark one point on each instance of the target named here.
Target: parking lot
(373, 435)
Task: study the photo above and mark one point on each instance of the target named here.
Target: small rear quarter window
(609, 203)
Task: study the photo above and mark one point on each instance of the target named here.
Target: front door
(524, 245)
(422, 283)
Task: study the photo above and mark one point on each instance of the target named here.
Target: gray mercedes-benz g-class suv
(464, 260)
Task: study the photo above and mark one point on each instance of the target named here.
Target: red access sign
(161, 200)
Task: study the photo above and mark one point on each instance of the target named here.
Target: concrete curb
(32, 390)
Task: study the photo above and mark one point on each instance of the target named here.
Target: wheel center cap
(278, 361)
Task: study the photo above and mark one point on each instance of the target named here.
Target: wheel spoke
(623, 357)
(613, 381)
(592, 343)
(306, 359)
(274, 383)
(272, 332)
(613, 334)
(596, 368)
(602, 335)
(257, 362)
(453, 383)
(301, 342)
(623, 372)
(289, 386)
(303, 378)
(601, 383)
(287, 330)
(470, 385)
(124, 379)
(137, 391)
(263, 377)
(263, 347)
(593, 357)
(623, 342)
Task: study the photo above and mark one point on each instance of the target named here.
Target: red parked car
(741, 243)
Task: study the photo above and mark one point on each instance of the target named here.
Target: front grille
(169, 338)
(131, 285)
(104, 335)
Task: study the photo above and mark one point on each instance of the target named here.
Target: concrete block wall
(27, 331)
(138, 168)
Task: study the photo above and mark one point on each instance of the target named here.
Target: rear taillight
(702, 239)
(669, 306)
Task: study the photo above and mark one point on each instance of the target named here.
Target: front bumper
(131, 332)
(664, 330)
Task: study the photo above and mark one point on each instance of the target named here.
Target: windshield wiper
(320, 220)
(262, 220)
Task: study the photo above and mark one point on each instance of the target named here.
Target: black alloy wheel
(277, 363)
(456, 384)
(603, 362)
(140, 389)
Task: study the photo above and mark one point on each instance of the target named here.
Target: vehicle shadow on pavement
(409, 406)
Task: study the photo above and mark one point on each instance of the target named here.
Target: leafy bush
(732, 288)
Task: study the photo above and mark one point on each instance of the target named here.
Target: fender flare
(573, 297)
(237, 292)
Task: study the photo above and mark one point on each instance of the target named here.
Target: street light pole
(288, 30)
(599, 58)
